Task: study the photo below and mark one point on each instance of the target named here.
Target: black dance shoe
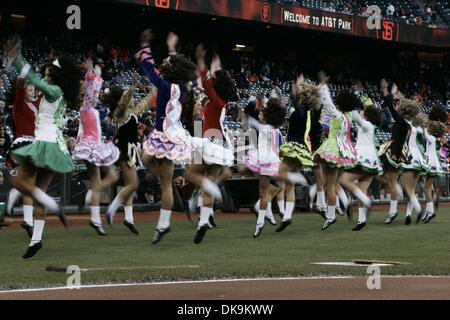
(200, 235)
(131, 227)
(28, 229)
(99, 229)
(328, 224)
(391, 218)
(283, 225)
(408, 221)
(159, 234)
(258, 231)
(31, 251)
(359, 226)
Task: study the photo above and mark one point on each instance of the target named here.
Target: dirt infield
(344, 288)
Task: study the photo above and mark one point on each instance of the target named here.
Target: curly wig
(373, 115)
(421, 120)
(224, 86)
(178, 70)
(408, 109)
(438, 113)
(274, 113)
(436, 128)
(308, 95)
(347, 101)
(68, 78)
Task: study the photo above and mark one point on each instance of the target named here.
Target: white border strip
(118, 285)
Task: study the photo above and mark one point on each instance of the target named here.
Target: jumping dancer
(48, 153)
(369, 164)
(391, 152)
(434, 131)
(25, 109)
(125, 114)
(296, 153)
(169, 143)
(337, 151)
(264, 159)
(216, 149)
(98, 156)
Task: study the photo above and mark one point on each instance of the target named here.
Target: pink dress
(89, 145)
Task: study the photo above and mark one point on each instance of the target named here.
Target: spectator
(390, 11)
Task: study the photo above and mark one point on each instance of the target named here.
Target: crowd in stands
(407, 11)
(253, 79)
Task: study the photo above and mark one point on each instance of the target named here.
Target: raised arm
(145, 59)
(327, 102)
(51, 92)
(363, 123)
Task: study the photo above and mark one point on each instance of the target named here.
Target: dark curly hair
(373, 115)
(179, 70)
(68, 78)
(224, 86)
(438, 113)
(112, 98)
(347, 101)
(436, 128)
(274, 113)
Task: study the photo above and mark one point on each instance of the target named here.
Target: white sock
(409, 209)
(363, 198)
(14, 195)
(281, 206)
(114, 206)
(269, 209)
(261, 216)
(37, 232)
(321, 199)
(129, 214)
(338, 205)
(362, 215)
(88, 198)
(211, 212)
(312, 191)
(211, 188)
(297, 178)
(28, 215)
(416, 204)
(164, 219)
(289, 211)
(95, 215)
(257, 204)
(343, 197)
(200, 201)
(394, 207)
(204, 216)
(45, 200)
(430, 207)
(331, 213)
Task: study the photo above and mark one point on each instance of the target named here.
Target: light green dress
(49, 150)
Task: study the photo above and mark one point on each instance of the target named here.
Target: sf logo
(165, 4)
(74, 20)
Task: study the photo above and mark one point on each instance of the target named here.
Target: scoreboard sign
(286, 15)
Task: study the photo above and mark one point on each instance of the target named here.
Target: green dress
(338, 151)
(49, 150)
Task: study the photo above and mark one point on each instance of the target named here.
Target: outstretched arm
(363, 123)
(51, 92)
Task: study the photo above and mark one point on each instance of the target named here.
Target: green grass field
(229, 251)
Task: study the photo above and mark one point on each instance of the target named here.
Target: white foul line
(211, 281)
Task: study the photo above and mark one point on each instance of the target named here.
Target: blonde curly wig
(307, 94)
(436, 128)
(408, 109)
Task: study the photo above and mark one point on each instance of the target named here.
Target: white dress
(415, 159)
(431, 156)
(366, 143)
